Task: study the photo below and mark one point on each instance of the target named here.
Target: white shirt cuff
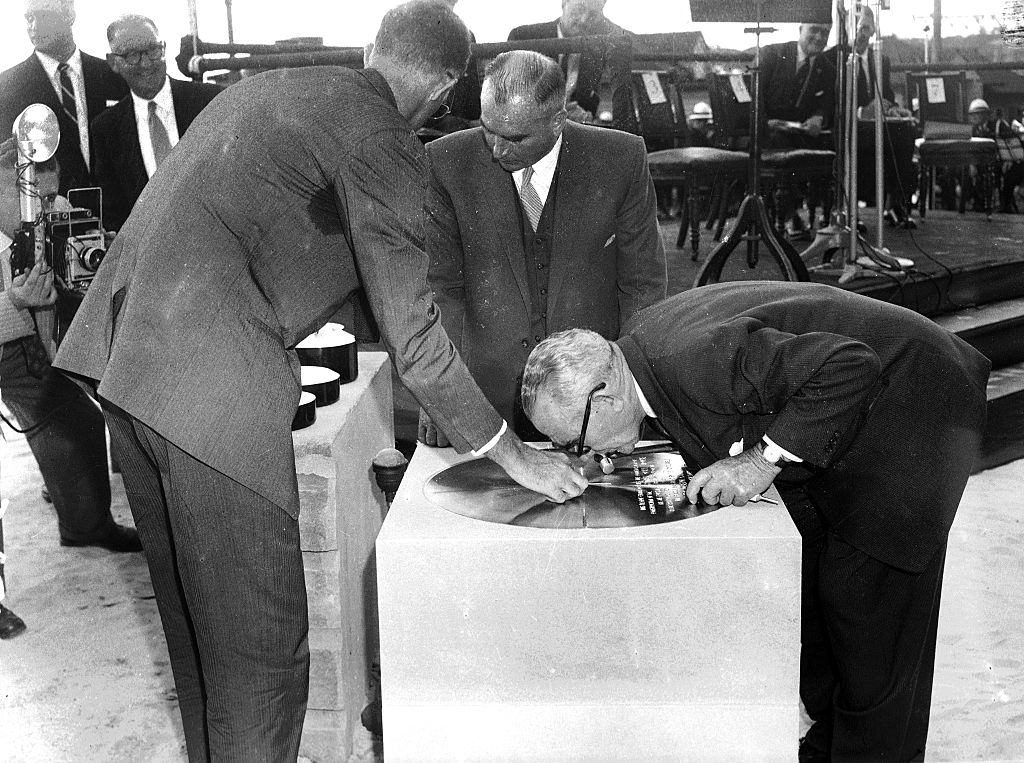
(785, 453)
(493, 441)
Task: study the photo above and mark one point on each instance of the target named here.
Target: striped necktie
(158, 135)
(67, 93)
(530, 199)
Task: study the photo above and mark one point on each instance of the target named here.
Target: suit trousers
(67, 439)
(228, 577)
(867, 653)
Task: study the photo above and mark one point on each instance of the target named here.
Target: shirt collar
(648, 411)
(543, 168)
(163, 100)
(50, 63)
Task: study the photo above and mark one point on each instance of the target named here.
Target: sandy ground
(90, 681)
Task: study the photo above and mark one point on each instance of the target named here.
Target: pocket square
(610, 239)
(111, 103)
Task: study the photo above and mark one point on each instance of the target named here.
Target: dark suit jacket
(884, 406)
(607, 257)
(865, 89)
(288, 192)
(786, 97)
(117, 157)
(588, 85)
(27, 83)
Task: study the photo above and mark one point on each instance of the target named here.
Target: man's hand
(429, 434)
(550, 473)
(733, 481)
(34, 288)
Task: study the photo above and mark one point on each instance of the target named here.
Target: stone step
(996, 329)
(1004, 432)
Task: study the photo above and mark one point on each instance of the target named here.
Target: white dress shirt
(543, 172)
(164, 110)
(50, 64)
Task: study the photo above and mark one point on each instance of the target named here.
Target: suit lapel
(44, 88)
(503, 216)
(134, 166)
(573, 174)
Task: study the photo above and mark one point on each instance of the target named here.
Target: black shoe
(10, 624)
(118, 539)
(46, 495)
(372, 718)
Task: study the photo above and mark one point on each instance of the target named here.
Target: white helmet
(977, 106)
(701, 111)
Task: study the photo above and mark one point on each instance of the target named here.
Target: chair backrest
(942, 105)
(650, 106)
(732, 116)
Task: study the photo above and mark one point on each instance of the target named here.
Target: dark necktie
(803, 78)
(67, 93)
(158, 135)
(530, 199)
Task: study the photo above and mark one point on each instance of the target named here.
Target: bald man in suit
(591, 255)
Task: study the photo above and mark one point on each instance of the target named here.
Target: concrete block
(341, 510)
(675, 641)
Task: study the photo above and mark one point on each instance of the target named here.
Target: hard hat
(978, 105)
(701, 110)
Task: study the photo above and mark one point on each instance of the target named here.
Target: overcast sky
(353, 22)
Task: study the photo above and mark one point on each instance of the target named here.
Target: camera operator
(64, 428)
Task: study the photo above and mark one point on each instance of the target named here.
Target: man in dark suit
(75, 85)
(593, 257)
(131, 138)
(868, 432)
(290, 191)
(583, 73)
(798, 83)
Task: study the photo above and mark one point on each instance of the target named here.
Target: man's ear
(558, 121)
(113, 63)
(443, 86)
(617, 402)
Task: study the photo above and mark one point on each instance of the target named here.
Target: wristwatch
(772, 453)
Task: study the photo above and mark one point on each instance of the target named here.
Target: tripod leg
(746, 217)
(785, 255)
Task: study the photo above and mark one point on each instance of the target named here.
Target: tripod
(752, 222)
(843, 234)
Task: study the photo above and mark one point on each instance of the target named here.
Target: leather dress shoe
(10, 624)
(118, 539)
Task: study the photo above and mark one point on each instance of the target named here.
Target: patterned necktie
(158, 135)
(530, 199)
(67, 93)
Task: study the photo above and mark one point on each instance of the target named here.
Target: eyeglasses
(134, 57)
(578, 446)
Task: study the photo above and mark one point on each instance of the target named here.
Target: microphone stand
(842, 233)
(752, 223)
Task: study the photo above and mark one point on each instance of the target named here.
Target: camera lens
(90, 257)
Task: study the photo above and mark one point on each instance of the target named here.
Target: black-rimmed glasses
(579, 447)
(134, 57)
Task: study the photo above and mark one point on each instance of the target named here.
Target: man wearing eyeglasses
(75, 85)
(869, 433)
(133, 137)
(295, 194)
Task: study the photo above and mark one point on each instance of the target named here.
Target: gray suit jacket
(607, 257)
(289, 192)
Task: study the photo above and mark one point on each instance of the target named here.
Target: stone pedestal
(676, 641)
(340, 516)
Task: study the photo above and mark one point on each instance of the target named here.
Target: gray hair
(526, 74)
(128, 18)
(565, 367)
(425, 34)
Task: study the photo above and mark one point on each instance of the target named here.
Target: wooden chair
(781, 169)
(946, 137)
(654, 109)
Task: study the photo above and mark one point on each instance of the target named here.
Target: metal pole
(850, 95)
(879, 125)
